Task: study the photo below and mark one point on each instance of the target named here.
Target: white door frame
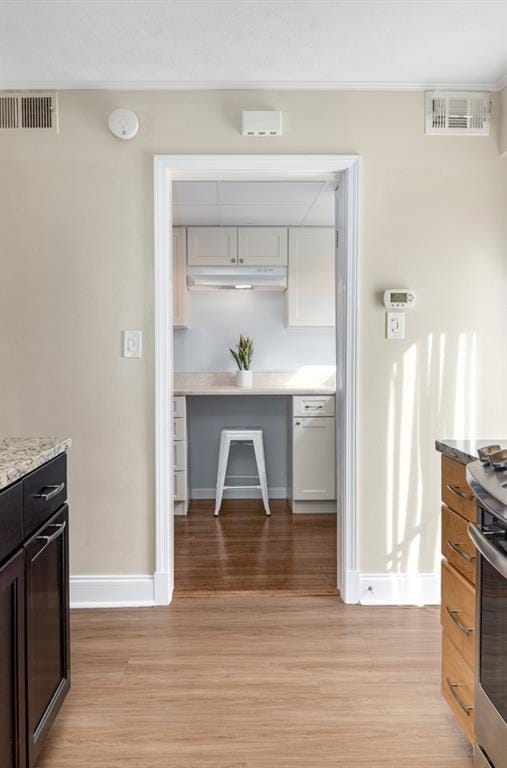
(169, 168)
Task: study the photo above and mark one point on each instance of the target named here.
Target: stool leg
(223, 458)
(261, 469)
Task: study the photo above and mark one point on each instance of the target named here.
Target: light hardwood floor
(252, 682)
(243, 551)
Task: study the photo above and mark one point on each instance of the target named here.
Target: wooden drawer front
(314, 405)
(456, 544)
(45, 490)
(180, 456)
(458, 612)
(458, 686)
(179, 406)
(180, 486)
(456, 492)
(11, 520)
(179, 429)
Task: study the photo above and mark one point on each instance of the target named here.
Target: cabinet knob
(241, 261)
(298, 423)
(233, 261)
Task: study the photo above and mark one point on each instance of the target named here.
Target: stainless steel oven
(489, 484)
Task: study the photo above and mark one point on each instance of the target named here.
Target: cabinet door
(47, 627)
(180, 293)
(262, 246)
(313, 461)
(311, 289)
(212, 246)
(12, 663)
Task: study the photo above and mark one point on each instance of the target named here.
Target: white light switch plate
(132, 343)
(395, 325)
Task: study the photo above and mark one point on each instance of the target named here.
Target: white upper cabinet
(311, 290)
(180, 293)
(262, 246)
(212, 246)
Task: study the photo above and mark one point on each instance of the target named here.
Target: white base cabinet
(313, 449)
(180, 452)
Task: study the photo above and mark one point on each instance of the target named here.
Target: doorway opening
(243, 550)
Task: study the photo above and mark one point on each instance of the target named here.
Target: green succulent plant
(243, 352)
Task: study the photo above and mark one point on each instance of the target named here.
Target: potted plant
(243, 357)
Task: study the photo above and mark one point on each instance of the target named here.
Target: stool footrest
(241, 487)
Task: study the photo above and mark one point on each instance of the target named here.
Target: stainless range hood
(237, 278)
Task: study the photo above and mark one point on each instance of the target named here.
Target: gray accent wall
(208, 415)
(216, 318)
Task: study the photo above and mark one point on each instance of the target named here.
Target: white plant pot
(244, 378)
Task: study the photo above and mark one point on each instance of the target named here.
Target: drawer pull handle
(461, 552)
(467, 709)
(60, 527)
(453, 613)
(314, 407)
(49, 492)
(458, 492)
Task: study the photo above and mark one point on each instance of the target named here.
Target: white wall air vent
(464, 113)
(25, 112)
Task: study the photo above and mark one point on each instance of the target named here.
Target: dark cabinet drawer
(12, 663)
(47, 627)
(45, 490)
(11, 520)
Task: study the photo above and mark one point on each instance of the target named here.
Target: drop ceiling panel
(195, 215)
(262, 215)
(268, 192)
(195, 193)
(319, 216)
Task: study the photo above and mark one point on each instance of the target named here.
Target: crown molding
(249, 85)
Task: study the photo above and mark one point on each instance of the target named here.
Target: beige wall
(76, 268)
(502, 132)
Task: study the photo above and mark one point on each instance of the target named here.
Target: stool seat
(232, 436)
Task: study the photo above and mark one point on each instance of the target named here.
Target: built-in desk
(311, 433)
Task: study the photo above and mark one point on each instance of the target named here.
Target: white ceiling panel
(247, 43)
(319, 216)
(262, 215)
(269, 192)
(196, 215)
(195, 193)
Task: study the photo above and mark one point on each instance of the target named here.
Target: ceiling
(254, 203)
(253, 44)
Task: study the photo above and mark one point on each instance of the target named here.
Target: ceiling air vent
(26, 111)
(463, 113)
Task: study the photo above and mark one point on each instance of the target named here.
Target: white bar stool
(228, 437)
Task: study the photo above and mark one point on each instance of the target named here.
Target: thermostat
(398, 298)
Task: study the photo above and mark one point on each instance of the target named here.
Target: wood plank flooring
(301, 682)
(244, 552)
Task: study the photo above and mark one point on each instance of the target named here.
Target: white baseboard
(241, 493)
(350, 593)
(399, 588)
(115, 591)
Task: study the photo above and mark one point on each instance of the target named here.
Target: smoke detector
(123, 124)
(458, 113)
(261, 123)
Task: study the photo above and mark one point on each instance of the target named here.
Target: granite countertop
(311, 381)
(21, 455)
(465, 451)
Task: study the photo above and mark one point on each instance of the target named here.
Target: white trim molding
(169, 168)
(123, 591)
(399, 588)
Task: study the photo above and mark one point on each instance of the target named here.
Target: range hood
(237, 278)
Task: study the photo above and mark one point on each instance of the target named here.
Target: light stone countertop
(21, 455)
(465, 451)
(308, 381)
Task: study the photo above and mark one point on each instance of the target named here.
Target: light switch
(132, 343)
(395, 325)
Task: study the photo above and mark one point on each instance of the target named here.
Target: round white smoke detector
(123, 123)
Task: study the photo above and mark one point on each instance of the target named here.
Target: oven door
(491, 660)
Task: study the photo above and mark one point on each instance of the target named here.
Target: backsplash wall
(216, 318)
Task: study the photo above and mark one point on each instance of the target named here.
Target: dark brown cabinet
(12, 663)
(47, 628)
(34, 611)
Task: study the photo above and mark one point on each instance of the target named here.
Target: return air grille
(457, 114)
(29, 111)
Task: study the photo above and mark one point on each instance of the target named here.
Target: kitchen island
(34, 593)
